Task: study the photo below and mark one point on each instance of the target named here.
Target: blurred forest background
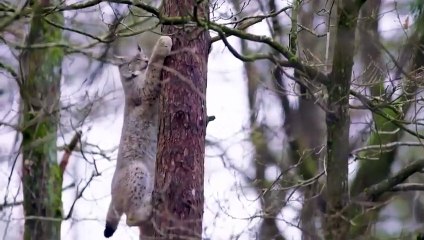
(318, 131)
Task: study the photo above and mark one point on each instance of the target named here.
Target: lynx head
(131, 69)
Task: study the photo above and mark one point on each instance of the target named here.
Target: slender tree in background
(338, 119)
(39, 84)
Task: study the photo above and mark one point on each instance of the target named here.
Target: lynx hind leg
(140, 194)
(118, 202)
(113, 216)
(141, 213)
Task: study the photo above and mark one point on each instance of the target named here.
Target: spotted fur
(133, 180)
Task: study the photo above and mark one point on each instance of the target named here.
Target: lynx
(133, 180)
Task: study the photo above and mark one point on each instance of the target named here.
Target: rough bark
(338, 121)
(181, 143)
(40, 93)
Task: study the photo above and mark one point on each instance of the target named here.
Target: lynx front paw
(164, 45)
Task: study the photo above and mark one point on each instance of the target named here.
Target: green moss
(40, 97)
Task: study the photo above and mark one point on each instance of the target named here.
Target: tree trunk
(40, 93)
(338, 121)
(181, 143)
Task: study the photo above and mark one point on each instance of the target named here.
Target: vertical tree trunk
(40, 93)
(181, 142)
(338, 121)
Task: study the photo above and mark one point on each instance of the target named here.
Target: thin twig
(376, 190)
(68, 151)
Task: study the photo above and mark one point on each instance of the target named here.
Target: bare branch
(68, 151)
(87, 4)
(375, 191)
(9, 69)
(378, 110)
(386, 146)
(246, 22)
(408, 187)
(12, 204)
(69, 215)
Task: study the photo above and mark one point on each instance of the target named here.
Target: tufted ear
(141, 49)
